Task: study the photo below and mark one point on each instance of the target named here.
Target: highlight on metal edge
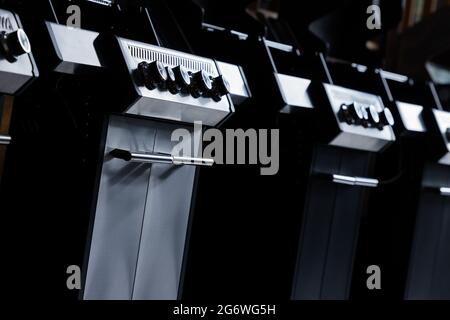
(355, 181)
(159, 158)
(5, 139)
(445, 191)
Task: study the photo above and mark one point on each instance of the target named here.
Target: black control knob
(221, 87)
(352, 113)
(14, 44)
(201, 84)
(153, 74)
(365, 122)
(182, 79)
(172, 85)
(447, 134)
(374, 116)
(386, 118)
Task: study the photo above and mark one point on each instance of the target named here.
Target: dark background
(50, 176)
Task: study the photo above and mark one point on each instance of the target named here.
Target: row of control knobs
(179, 80)
(367, 116)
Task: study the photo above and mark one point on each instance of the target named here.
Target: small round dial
(386, 117)
(201, 84)
(14, 44)
(221, 87)
(182, 78)
(172, 85)
(374, 116)
(352, 113)
(365, 122)
(153, 74)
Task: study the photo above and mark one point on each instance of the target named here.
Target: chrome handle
(5, 139)
(193, 161)
(159, 158)
(355, 181)
(445, 191)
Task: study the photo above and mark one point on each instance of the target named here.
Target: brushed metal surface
(141, 218)
(74, 48)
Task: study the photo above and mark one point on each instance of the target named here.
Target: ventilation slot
(170, 59)
(5, 23)
(107, 3)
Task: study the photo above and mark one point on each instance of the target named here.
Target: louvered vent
(170, 59)
(102, 2)
(5, 23)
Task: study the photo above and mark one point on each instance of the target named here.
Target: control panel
(17, 66)
(358, 119)
(180, 86)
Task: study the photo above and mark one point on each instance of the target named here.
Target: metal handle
(355, 181)
(445, 191)
(159, 158)
(5, 139)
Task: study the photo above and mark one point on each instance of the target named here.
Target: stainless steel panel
(352, 141)
(164, 228)
(411, 116)
(120, 210)
(180, 108)
(74, 48)
(238, 87)
(294, 91)
(141, 219)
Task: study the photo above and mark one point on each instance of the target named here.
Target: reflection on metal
(294, 91)
(445, 191)
(411, 116)
(5, 139)
(159, 158)
(279, 46)
(355, 181)
(393, 76)
(73, 49)
(139, 237)
(107, 3)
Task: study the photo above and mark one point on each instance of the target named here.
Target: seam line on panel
(143, 220)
